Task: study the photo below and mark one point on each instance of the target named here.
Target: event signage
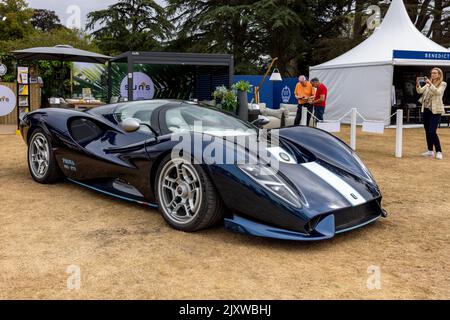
(7, 101)
(22, 75)
(23, 90)
(286, 94)
(421, 55)
(143, 87)
(3, 69)
(373, 127)
(331, 126)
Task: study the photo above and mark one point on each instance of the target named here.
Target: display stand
(23, 92)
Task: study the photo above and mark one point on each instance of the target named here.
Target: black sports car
(317, 188)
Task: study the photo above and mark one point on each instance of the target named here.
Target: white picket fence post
(399, 135)
(353, 129)
(304, 121)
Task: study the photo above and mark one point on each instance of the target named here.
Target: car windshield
(201, 119)
(141, 110)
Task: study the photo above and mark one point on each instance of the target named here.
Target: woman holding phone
(432, 91)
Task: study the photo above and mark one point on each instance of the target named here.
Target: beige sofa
(289, 113)
(275, 116)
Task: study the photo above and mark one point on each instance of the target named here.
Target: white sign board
(373, 127)
(3, 69)
(329, 126)
(143, 87)
(7, 101)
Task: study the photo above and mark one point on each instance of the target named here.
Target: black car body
(320, 187)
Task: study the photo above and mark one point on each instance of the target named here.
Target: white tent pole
(353, 129)
(304, 121)
(399, 135)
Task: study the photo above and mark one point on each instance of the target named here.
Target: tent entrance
(406, 97)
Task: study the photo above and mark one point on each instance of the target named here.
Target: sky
(62, 6)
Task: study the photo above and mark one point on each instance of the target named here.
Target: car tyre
(41, 159)
(186, 196)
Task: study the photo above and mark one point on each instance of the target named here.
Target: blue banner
(284, 92)
(272, 93)
(421, 55)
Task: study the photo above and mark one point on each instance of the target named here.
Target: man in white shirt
(34, 78)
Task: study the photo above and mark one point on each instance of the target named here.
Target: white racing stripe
(346, 190)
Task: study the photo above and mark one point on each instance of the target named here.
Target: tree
(15, 19)
(129, 25)
(432, 18)
(249, 29)
(45, 20)
(217, 27)
(47, 69)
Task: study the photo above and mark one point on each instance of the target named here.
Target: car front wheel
(186, 196)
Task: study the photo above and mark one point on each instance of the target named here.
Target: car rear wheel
(41, 160)
(186, 196)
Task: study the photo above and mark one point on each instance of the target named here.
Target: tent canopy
(396, 33)
(362, 78)
(60, 53)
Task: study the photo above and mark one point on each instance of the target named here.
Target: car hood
(323, 185)
(325, 188)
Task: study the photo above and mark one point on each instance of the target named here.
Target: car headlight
(363, 166)
(272, 182)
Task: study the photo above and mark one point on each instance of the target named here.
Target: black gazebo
(208, 70)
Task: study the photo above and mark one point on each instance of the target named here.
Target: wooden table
(84, 104)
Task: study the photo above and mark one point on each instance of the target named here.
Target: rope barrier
(354, 115)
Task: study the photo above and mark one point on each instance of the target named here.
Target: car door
(104, 151)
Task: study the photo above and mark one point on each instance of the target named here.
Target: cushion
(276, 113)
(289, 107)
(274, 123)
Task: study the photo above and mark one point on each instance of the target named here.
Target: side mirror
(131, 125)
(261, 122)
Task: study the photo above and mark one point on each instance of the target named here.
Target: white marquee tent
(363, 77)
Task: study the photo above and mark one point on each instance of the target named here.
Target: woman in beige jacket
(432, 107)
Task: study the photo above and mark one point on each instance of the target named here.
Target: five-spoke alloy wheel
(186, 196)
(180, 191)
(41, 160)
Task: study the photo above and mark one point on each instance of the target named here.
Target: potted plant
(243, 88)
(229, 101)
(225, 98)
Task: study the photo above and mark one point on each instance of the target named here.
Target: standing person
(35, 78)
(432, 107)
(320, 100)
(303, 92)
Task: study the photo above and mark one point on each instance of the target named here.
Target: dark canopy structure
(207, 70)
(60, 53)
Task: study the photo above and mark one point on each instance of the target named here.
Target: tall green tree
(249, 29)
(129, 25)
(14, 19)
(47, 69)
(214, 26)
(45, 20)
